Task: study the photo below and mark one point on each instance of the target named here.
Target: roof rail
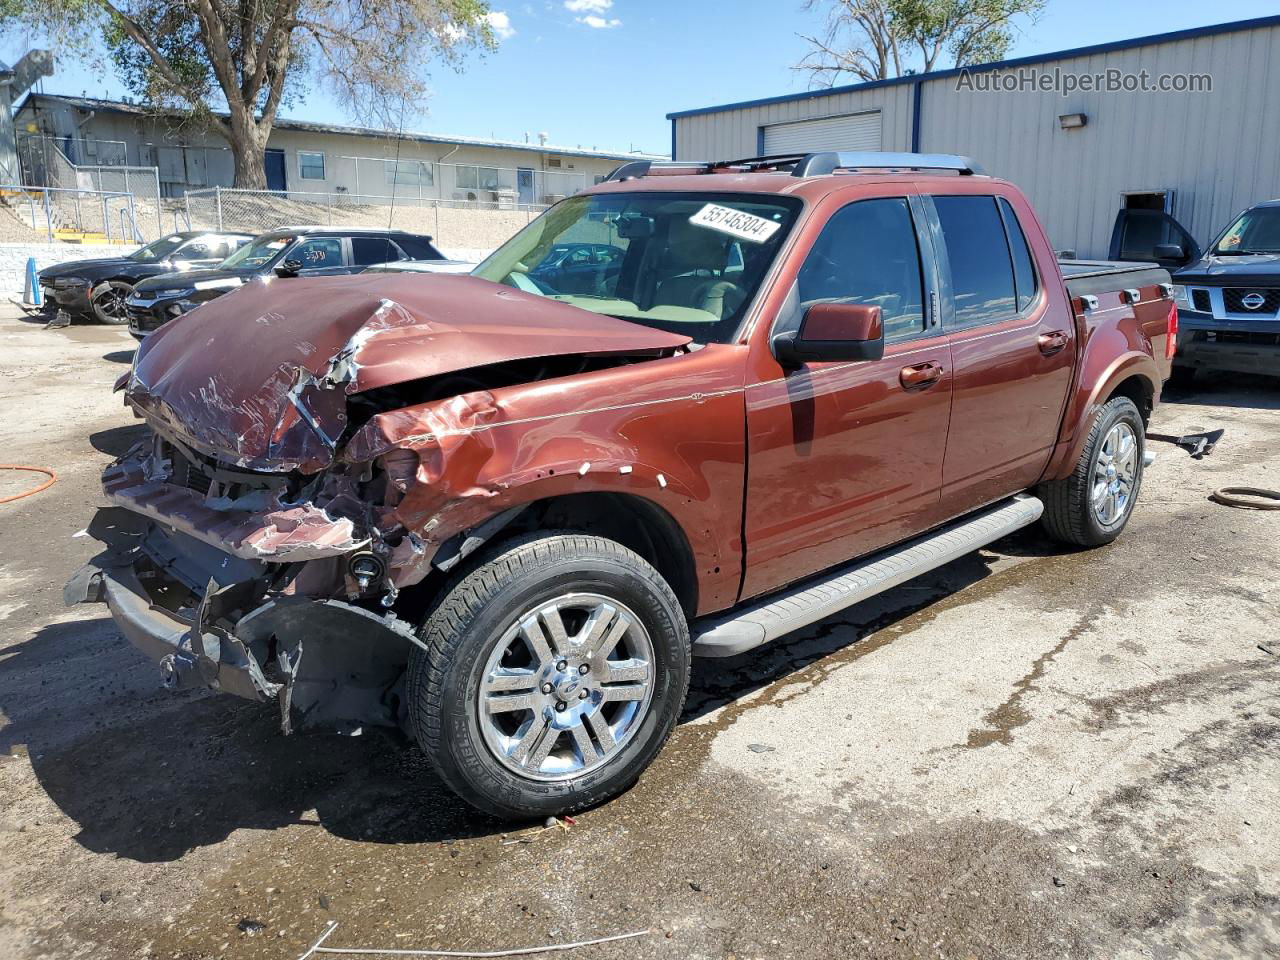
(641, 168)
(818, 164)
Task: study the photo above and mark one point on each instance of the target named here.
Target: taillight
(1171, 341)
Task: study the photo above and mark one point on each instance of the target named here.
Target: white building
(304, 158)
(1200, 154)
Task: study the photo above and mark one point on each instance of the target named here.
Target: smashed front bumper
(211, 619)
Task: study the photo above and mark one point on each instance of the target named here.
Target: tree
(879, 39)
(230, 64)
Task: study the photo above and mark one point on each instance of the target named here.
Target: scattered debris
(695, 886)
(323, 901)
(1267, 650)
(517, 952)
(760, 748)
(1059, 882)
(1249, 498)
(1199, 445)
(250, 928)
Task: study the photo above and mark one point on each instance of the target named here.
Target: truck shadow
(149, 775)
(117, 441)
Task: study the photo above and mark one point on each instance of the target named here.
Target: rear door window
(868, 254)
(982, 284)
(1024, 268)
(366, 251)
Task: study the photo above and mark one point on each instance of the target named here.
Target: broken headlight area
(247, 626)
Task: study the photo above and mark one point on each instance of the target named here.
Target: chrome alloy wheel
(566, 686)
(1115, 472)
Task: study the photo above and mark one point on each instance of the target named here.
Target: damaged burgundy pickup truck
(502, 511)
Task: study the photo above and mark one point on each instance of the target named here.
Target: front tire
(107, 301)
(556, 670)
(1092, 506)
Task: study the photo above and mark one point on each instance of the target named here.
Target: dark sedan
(99, 288)
(288, 252)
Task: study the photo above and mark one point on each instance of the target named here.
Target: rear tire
(555, 670)
(1093, 505)
(107, 301)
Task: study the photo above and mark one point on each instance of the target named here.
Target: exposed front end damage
(310, 463)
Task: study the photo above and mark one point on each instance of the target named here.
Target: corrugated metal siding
(736, 133)
(860, 131)
(1219, 152)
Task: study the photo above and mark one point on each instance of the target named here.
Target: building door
(857, 131)
(524, 185)
(274, 161)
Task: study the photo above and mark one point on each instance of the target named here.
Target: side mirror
(1168, 251)
(833, 331)
(289, 268)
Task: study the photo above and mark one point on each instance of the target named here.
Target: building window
(408, 173)
(478, 178)
(310, 165)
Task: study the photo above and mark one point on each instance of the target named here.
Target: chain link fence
(454, 224)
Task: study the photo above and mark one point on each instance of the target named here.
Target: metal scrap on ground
(517, 952)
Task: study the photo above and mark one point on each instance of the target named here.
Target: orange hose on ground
(44, 486)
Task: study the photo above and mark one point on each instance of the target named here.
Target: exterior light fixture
(1069, 121)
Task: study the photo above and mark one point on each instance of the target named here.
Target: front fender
(453, 464)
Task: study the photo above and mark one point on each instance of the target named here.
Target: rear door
(366, 251)
(845, 458)
(1137, 233)
(1013, 348)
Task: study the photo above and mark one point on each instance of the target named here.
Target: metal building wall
(735, 133)
(1219, 151)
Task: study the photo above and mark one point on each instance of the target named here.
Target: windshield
(686, 263)
(1257, 231)
(158, 249)
(256, 254)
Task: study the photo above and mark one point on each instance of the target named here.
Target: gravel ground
(1030, 753)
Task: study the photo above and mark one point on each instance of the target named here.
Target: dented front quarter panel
(668, 430)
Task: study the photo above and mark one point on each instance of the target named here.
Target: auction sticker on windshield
(744, 226)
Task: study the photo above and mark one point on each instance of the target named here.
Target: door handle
(921, 375)
(1050, 343)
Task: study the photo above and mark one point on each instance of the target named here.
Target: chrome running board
(810, 601)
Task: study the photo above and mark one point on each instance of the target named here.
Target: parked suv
(288, 252)
(99, 288)
(1228, 299)
(505, 516)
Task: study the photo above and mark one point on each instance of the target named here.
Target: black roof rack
(803, 164)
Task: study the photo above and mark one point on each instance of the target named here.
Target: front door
(320, 257)
(524, 185)
(275, 165)
(845, 458)
(1013, 348)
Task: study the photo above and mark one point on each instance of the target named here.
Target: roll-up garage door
(858, 131)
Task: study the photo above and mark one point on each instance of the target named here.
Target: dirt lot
(1032, 753)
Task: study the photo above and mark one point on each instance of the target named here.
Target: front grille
(144, 320)
(189, 475)
(198, 472)
(1233, 298)
(1200, 300)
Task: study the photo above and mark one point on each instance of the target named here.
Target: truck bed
(1107, 276)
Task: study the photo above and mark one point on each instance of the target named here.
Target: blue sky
(604, 73)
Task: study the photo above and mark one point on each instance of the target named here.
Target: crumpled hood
(261, 375)
(1251, 270)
